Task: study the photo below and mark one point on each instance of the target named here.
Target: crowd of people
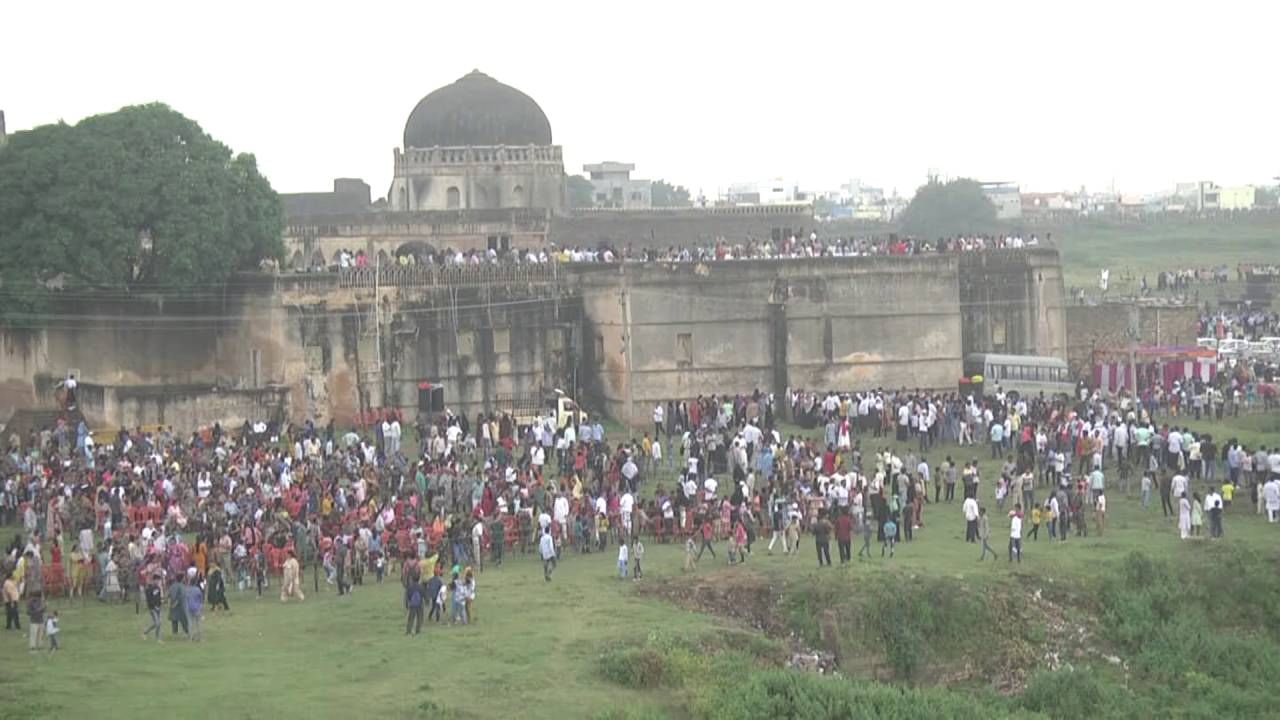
(177, 520)
(792, 247)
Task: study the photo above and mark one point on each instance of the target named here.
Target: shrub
(1069, 695)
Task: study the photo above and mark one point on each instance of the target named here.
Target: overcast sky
(1051, 95)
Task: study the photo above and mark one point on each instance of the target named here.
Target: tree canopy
(942, 209)
(580, 191)
(138, 199)
(667, 195)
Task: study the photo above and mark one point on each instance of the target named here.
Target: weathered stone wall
(1012, 302)
(619, 337)
(1114, 326)
(737, 326)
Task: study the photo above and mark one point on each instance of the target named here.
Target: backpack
(415, 596)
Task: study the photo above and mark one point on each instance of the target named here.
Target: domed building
(477, 144)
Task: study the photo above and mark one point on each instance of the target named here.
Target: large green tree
(942, 209)
(136, 200)
(667, 195)
(580, 191)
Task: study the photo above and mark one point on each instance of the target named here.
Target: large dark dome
(476, 110)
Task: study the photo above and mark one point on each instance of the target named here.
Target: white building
(1006, 197)
(775, 191)
(612, 186)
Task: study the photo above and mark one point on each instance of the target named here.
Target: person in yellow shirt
(1036, 516)
(1227, 491)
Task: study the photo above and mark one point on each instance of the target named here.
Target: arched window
(453, 198)
(517, 196)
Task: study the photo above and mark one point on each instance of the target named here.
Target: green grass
(1131, 250)
(538, 648)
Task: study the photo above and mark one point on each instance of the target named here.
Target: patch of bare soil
(743, 595)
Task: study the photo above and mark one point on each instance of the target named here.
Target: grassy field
(538, 648)
(1132, 250)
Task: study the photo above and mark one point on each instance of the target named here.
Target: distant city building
(776, 191)
(3, 136)
(1006, 197)
(1047, 206)
(1205, 195)
(613, 187)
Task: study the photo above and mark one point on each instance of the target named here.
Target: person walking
(547, 549)
(290, 583)
(1184, 517)
(155, 603)
(1166, 494)
(35, 620)
(890, 528)
(11, 598)
(1213, 503)
(707, 532)
(433, 593)
(1015, 533)
(217, 589)
(844, 536)
(822, 539)
(177, 593)
(867, 531)
(971, 514)
(1100, 512)
(984, 534)
(413, 600)
(51, 630)
(195, 606)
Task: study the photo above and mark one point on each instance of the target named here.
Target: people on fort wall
(722, 249)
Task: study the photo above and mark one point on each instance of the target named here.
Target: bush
(1069, 695)
(780, 694)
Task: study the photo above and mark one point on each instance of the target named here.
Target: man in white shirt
(629, 472)
(659, 418)
(537, 458)
(970, 508)
(625, 505)
(560, 508)
(1015, 533)
(709, 487)
(547, 549)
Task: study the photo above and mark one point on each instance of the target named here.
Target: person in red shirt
(707, 533)
(844, 535)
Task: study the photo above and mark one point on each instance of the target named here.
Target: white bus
(1027, 375)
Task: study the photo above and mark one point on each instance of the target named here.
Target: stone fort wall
(618, 337)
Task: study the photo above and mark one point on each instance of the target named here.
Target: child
(890, 535)
(379, 565)
(740, 541)
(51, 629)
(1035, 523)
(690, 563)
(638, 554)
(623, 560)
(1228, 490)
